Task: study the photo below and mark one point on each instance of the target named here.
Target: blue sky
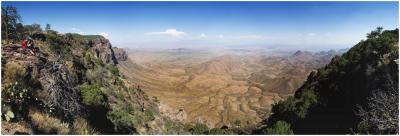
(294, 25)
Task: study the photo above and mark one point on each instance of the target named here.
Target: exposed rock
(120, 54)
(174, 114)
(104, 50)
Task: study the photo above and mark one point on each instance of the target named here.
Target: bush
(363, 127)
(280, 128)
(16, 92)
(123, 121)
(237, 123)
(173, 127)
(199, 128)
(46, 124)
(92, 95)
(99, 62)
(287, 105)
(216, 131)
(148, 115)
(307, 98)
(119, 82)
(99, 75)
(58, 44)
(113, 69)
(222, 131)
(81, 127)
(13, 72)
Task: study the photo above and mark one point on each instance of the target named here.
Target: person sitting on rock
(24, 43)
(28, 44)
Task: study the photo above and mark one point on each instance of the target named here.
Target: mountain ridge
(347, 93)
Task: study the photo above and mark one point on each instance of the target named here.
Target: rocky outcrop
(103, 50)
(120, 54)
(106, 52)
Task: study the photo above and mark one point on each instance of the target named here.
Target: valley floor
(234, 88)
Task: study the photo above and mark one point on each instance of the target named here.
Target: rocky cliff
(106, 52)
(70, 85)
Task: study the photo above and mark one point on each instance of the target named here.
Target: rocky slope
(355, 93)
(71, 86)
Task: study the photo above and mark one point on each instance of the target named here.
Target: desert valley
(227, 87)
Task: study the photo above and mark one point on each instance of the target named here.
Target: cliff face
(106, 52)
(120, 54)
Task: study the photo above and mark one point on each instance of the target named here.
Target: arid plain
(232, 87)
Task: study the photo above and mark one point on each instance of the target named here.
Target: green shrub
(199, 128)
(363, 127)
(280, 128)
(113, 69)
(307, 98)
(284, 106)
(17, 94)
(123, 121)
(59, 44)
(92, 95)
(216, 131)
(119, 82)
(169, 125)
(120, 95)
(99, 62)
(9, 115)
(82, 127)
(46, 124)
(237, 123)
(174, 127)
(148, 115)
(13, 72)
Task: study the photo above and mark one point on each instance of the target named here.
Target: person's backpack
(30, 43)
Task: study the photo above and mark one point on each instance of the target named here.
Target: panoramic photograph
(199, 67)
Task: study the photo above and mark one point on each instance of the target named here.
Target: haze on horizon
(278, 25)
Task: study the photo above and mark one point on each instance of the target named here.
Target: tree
(92, 95)
(33, 29)
(375, 33)
(19, 29)
(9, 20)
(47, 28)
(280, 128)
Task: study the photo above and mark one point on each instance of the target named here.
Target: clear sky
(295, 25)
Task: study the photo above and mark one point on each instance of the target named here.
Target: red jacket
(24, 44)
